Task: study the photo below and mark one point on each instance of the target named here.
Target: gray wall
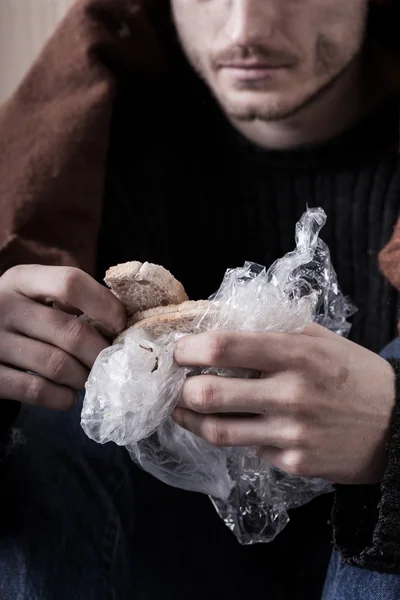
(25, 25)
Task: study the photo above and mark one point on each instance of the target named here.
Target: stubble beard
(275, 107)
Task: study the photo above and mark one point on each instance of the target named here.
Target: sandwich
(154, 300)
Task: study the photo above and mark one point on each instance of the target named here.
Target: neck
(350, 98)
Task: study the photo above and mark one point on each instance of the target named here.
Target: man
(213, 155)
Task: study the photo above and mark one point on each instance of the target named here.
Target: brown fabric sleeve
(54, 132)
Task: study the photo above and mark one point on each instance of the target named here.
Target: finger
(59, 329)
(69, 286)
(231, 431)
(50, 362)
(293, 460)
(71, 310)
(261, 351)
(209, 394)
(32, 389)
(317, 331)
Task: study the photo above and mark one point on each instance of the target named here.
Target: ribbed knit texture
(186, 191)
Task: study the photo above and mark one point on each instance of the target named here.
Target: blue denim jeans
(78, 521)
(345, 582)
(62, 504)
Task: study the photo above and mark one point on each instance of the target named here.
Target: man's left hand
(322, 407)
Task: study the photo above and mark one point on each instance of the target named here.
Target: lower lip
(248, 74)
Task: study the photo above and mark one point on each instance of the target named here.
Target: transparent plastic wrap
(134, 387)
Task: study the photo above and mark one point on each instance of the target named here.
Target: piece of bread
(190, 305)
(142, 286)
(188, 317)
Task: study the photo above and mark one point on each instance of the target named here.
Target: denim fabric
(62, 506)
(392, 350)
(79, 521)
(345, 582)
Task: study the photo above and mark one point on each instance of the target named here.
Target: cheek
(327, 35)
(199, 22)
(340, 34)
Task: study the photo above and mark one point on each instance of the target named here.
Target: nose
(251, 21)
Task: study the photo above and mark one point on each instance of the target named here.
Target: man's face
(267, 59)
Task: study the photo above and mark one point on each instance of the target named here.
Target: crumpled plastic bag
(134, 387)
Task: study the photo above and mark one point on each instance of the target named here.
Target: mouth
(252, 71)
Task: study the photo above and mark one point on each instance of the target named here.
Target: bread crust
(142, 286)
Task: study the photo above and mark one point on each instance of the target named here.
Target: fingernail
(180, 346)
(183, 340)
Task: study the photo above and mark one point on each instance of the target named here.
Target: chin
(267, 108)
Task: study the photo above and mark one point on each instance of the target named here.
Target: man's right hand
(55, 345)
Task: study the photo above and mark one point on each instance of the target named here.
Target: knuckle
(36, 391)
(298, 435)
(70, 284)
(203, 399)
(311, 356)
(42, 393)
(299, 358)
(293, 462)
(66, 400)
(293, 397)
(217, 348)
(7, 309)
(293, 393)
(8, 297)
(216, 433)
(12, 274)
(57, 365)
(74, 333)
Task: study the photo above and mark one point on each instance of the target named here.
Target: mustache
(257, 52)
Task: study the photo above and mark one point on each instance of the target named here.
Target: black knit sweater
(198, 198)
(187, 191)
